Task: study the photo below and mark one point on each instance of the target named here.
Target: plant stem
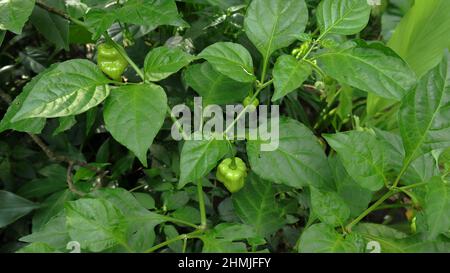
(60, 13)
(177, 238)
(261, 88)
(179, 221)
(201, 203)
(370, 209)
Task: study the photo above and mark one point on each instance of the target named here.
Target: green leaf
(65, 123)
(362, 155)
(230, 59)
(424, 118)
(70, 88)
(96, 224)
(298, 161)
(388, 238)
(199, 157)
(52, 26)
(371, 68)
(40, 187)
(13, 207)
(288, 75)
(255, 204)
(214, 87)
(14, 14)
(33, 125)
(99, 20)
(345, 17)
(356, 197)
(50, 207)
(222, 238)
(163, 61)
(54, 233)
(329, 207)
(151, 13)
(423, 35)
(134, 114)
(145, 199)
(140, 223)
(322, 238)
(272, 25)
(437, 207)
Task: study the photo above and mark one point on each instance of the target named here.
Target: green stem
(260, 88)
(177, 238)
(316, 67)
(402, 172)
(414, 186)
(264, 71)
(179, 221)
(201, 203)
(370, 209)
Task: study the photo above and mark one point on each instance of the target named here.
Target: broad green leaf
(171, 232)
(420, 170)
(140, 223)
(14, 14)
(424, 116)
(423, 34)
(151, 13)
(356, 197)
(230, 59)
(52, 26)
(214, 87)
(275, 24)
(174, 200)
(345, 17)
(437, 207)
(362, 155)
(388, 238)
(33, 125)
(13, 207)
(38, 248)
(255, 204)
(134, 114)
(96, 224)
(145, 199)
(212, 244)
(99, 20)
(199, 157)
(163, 61)
(222, 239)
(371, 68)
(54, 233)
(322, 238)
(40, 187)
(329, 207)
(65, 123)
(298, 161)
(50, 207)
(70, 88)
(288, 75)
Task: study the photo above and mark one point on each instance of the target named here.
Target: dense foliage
(88, 161)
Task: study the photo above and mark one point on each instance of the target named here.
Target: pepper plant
(88, 155)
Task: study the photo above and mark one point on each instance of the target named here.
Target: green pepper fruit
(232, 174)
(111, 62)
(253, 104)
